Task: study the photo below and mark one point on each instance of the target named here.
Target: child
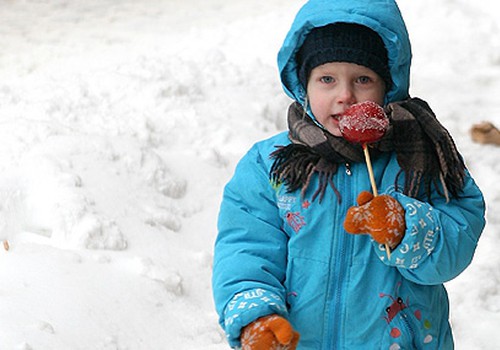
(286, 274)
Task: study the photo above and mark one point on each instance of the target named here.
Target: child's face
(334, 86)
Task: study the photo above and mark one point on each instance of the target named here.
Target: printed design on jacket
(286, 201)
(400, 309)
(253, 299)
(293, 218)
(295, 221)
(420, 238)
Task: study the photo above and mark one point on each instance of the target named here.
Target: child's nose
(346, 96)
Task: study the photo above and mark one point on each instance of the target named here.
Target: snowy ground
(121, 121)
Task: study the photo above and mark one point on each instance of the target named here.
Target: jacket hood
(382, 16)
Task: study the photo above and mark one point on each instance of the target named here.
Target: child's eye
(364, 79)
(326, 79)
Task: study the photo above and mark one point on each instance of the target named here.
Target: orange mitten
(382, 217)
(269, 333)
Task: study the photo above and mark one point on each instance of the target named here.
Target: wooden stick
(388, 251)
(374, 186)
(370, 169)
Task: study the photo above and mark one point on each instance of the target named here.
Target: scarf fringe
(294, 165)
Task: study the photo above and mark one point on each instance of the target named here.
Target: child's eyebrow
(325, 70)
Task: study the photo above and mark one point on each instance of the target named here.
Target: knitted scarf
(425, 152)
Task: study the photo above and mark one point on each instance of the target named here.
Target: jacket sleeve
(250, 250)
(440, 238)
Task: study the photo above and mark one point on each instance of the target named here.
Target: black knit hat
(343, 42)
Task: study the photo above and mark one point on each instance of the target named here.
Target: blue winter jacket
(280, 253)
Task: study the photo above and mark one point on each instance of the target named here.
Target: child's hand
(382, 217)
(269, 333)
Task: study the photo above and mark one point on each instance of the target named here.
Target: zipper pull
(348, 169)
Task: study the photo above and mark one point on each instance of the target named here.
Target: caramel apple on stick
(365, 123)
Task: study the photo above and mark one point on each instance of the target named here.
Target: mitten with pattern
(382, 217)
(269, 333)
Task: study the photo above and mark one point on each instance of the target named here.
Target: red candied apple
(363, 122)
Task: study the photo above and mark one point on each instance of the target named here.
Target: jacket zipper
(409, 328)
(348, 169)
(337, 277)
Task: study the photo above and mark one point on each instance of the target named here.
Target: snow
(120, 123)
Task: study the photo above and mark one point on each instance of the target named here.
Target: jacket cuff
(421, 236)
(246, 307)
